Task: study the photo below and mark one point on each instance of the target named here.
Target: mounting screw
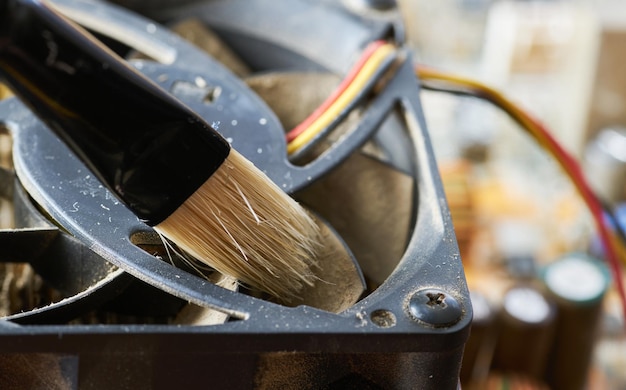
(434, 307)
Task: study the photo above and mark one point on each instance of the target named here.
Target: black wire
(606, 208)
(472, 93)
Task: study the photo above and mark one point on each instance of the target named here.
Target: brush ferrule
(160, 172)
(142, 143)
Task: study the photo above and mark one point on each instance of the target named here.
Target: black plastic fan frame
(424, 304)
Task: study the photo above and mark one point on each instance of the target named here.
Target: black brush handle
(146, 146)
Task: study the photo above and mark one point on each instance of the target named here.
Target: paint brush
(163, 161)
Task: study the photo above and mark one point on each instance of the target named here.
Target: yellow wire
(357, 85)
(519, 115)
(508, 106)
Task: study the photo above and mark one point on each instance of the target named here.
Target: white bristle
(243, 225)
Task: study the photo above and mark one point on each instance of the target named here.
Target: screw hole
(383, 318)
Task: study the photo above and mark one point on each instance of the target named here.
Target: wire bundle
(441, 81)
(361, 77)
(364, 75)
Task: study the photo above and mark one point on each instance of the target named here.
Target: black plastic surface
(323, 348)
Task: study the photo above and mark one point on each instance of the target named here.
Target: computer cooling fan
(391, 309)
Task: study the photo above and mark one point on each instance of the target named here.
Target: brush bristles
(243, 225)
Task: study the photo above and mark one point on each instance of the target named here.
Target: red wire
(572, 166)
(568, 163)
(345, 83)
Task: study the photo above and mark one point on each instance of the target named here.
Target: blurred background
(546, 315)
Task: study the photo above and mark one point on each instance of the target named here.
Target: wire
(365, 70)
(346, 94)
(302, 126)
(437, 80)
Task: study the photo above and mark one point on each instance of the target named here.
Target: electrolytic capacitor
(527, 322)
(577, 283)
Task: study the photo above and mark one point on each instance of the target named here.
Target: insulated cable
(442, 81)
(362, 75)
